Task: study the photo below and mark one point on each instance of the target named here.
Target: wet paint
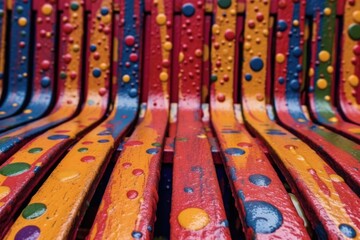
(338, 151)
(249, 171)
(197, 209)
(331, 201)
(37, 156)
(349, 95)
(43, 72)
(322, 74)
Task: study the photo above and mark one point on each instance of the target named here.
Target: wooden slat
(128, 207)
(68, 85)
(253, 180)
(21, 173)
(328, 202)
(197, 209)
(19, 76)
(349, 87)
(43, 74)
(322, 71)
(94, 150)
(340, 152)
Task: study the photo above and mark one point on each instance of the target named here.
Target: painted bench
(186, 119)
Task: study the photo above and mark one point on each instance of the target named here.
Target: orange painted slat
(253, 180)
(349, 87)
(129, 204)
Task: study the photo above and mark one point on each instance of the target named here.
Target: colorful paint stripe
(133, 216)
(340, 152)
(94, 150)
(94, 101)
(197, 209)
(68, 86)
(3, 32)
(19, 75)
(43, 71)
(329, 203)
(349, 89)
(322, 74)
(249, 171)
(20, 173)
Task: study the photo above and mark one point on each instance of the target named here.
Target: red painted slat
(196, 209)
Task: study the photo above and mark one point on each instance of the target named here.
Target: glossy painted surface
(322, 74)
(248, 169)
(196, 209)
(68, 86)
(85, 170)
(328, 202)
(349, 90)
(19, 74)
(3, 22)
(129, 204)
(79, 178)
(26, 167)
(340, 152)
(43, 72)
